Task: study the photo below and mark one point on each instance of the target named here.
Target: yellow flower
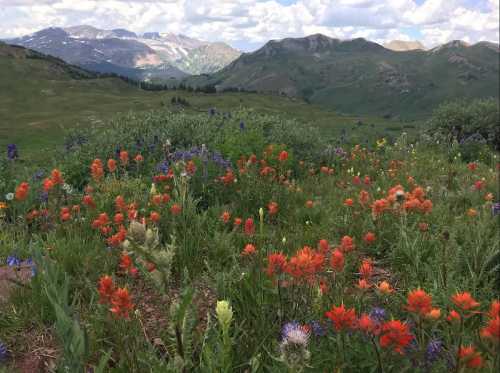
(224, 314)
(381, 142)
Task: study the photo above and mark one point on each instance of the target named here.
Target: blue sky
(248, 24)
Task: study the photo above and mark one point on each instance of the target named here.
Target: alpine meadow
(289, 186)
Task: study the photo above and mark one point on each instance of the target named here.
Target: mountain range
(359, 76)
(150, 56)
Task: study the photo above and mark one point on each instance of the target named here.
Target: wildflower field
(248, 243)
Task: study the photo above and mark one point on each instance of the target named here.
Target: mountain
(152, 56)
(401, 46)
(362, 77)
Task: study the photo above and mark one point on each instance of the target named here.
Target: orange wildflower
(337, 260)
(121, 303)
(106, 288)
(342, 318)
(395, 335)
(470, 357)
(419, 302)
(464, 301)
(124, 157)
(366, 269)
(22, 191)
(111, 165)
(347, 244)
(249, 250)
(385, 288)
(225, 217)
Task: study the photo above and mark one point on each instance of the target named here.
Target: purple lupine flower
(13, 261)
(12, 153)
(317, 329)
(378, 314)
(242, 126)
(4, 354)
(495, 209)
(44, 197)
(163, 167)
(211, 112)
(38, 175)
(433, 350)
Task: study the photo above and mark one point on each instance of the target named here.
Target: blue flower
(433, 350)
(3, 352)
(13, 261)
(495, 209)
(12, 153)
(317, 329)
(378, 314)
(242, 126)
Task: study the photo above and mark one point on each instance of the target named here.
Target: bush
(470, 123)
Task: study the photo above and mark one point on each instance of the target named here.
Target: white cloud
(253, 22)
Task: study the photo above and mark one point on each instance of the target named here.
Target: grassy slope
(39, 100)
(366, 79)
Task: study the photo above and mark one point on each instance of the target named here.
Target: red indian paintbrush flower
(492, 330)
(22, 191)
(464, 301)
(419, 302)
(341, 317)
(249, 250)
(283, 156)
(395, 335)
(369, 238)
(105, 289)
(366, 269)
(249, 227)
(337, 260)
(272, 207)
(276, 264)
(175, 209)
(469, 357)
(305, 263)
(111, 165)
(124, 157)
(366, 324)
(121, 303)
(347, 244)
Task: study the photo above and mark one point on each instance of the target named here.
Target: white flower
(67, 188)
(9, 196)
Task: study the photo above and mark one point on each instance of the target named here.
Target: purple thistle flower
(12, 153)
(433, 350)
(293, 332)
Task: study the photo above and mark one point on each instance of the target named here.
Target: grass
(256, 268)
(39, 102)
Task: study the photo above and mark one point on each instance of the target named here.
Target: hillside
(41, 95)
(148, 56)
(362, 77)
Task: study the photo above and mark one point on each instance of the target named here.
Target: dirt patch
(12, 277)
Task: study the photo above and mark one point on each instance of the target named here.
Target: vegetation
(244, 241)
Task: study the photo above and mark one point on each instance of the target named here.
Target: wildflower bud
(153, 190)
(283, 240)
(400, 195)
(137, 231)
(261, 213)
(151, 238)
(224, 314)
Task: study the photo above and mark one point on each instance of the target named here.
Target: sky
(248, 24)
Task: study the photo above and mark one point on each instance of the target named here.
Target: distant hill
(401, 46)
(149, 56)
(40, 95)
(362, 77)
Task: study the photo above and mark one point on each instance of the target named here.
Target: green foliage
(472, 123)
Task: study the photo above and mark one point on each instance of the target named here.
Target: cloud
(250, 23)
